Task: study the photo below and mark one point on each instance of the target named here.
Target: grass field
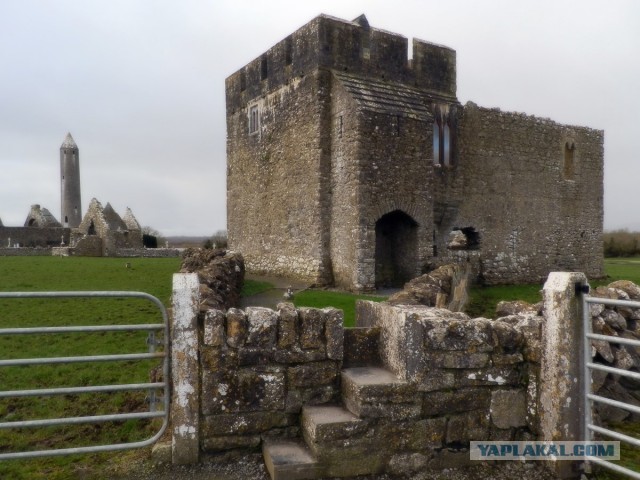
(483, 300)
(56, 273)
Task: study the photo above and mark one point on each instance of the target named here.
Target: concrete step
(328, 423)
(372, 392)
(290, 460)
(339, 440)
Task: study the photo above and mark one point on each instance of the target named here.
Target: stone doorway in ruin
(396, 249)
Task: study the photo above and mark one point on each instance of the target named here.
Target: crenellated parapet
(354, 47)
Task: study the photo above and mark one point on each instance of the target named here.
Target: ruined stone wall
(260, 366)
(534, 212)
(34, 236)
(149, 252)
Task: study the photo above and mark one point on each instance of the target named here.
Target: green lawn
(75, 273)
(483, 300)
(325, 298)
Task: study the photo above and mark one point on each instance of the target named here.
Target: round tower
(71, 211)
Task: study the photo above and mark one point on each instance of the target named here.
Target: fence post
(562, 399)
(185, 369)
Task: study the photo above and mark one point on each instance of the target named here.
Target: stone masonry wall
(403, 392)
(260, 366)
(276, 193)
(544, 216)
(478, 376)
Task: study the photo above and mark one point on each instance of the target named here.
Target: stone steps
(290, 460)
(344, 441)
(372, 392)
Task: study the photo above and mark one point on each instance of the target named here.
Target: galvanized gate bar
(79, 359)
(589, 427)
(151, 386)
(91, 328)
(618, 371)
(77, 420)
(46, 392)
(614, 403)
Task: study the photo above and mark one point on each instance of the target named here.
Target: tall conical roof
(69, 142)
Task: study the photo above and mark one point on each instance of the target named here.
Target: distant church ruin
(349, 164)
(102, 232)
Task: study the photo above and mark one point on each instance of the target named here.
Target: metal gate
(589, 427)
(151, 387)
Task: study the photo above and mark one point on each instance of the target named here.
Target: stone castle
(350, 164)
(102, 232)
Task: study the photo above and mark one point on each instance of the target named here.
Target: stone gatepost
(561, 406)
(185, 404)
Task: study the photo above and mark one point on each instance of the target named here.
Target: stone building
(71, 207)
(103, 232)
(350, 164)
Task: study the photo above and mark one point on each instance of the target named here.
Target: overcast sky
(140, 86)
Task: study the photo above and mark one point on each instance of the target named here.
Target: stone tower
(71, 209)
(350, 164)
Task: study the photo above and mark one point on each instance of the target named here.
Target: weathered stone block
(287, 331)
(215, 359)
(299, 356)
(228, 442)
(214, 328)
(450, 458)
(312, 374)
(311, 328)
(237, 328)
(334, 333)
(407, 463)
(428, 433)
(361, 347)
(504, 359)
(455, 401)
(464, 427)
(260, 390)
(262, 327)
(469, 335)
(506, 337)
(245, 423)
(437, 380)
(509, 408)
(509, 375)
(254, 356)
(458, 360)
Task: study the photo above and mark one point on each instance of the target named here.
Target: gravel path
(251, 467)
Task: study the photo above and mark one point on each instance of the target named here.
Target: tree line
(621, 243)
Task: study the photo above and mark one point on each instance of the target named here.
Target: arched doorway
(396, 249)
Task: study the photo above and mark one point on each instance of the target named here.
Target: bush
(621, 243)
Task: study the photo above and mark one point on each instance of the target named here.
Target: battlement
(355, 47)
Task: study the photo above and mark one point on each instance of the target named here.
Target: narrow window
(446, 145)
(254, 119)
(339, 126)
(436, 143)
(243, 81)
(288, 51)
(569, 160)
(263, 67)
